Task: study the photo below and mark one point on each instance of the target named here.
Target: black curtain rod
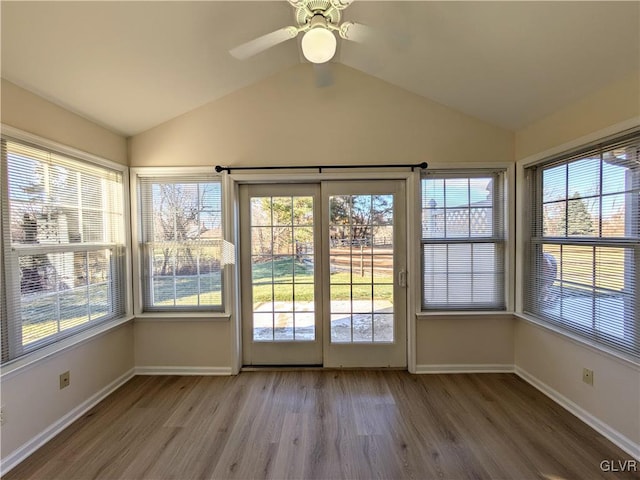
(220, 168)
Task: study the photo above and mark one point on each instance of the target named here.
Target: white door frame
(232, 229)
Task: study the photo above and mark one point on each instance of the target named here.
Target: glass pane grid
(282, 265)
(361, 268)
(182, 230)
(458, 207)
(586, 279)
(62, 291)
(462, 259)
(591, 197)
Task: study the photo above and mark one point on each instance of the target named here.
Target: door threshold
(297, 368)
(279, 368)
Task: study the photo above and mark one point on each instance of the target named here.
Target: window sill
(583, 342)
(426, 315)
(14, 367)
(182, 317)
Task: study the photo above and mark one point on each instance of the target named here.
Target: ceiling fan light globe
(319, 45)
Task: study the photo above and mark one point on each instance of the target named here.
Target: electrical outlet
(2, 419)
(65, 379)
(587, 376)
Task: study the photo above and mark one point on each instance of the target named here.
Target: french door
(280, 274)
(364, 299)
(323, 274)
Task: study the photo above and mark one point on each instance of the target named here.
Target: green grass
(287, 272)
(286, 285)
(185, 291)
(205, 299)
(38, 310)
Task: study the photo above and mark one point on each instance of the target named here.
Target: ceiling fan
(317, 19)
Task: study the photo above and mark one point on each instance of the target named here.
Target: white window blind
(463, 245)
(181, 246)
(584, 243)
(63, 243)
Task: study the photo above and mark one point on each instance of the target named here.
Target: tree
(577, 217)
(284, 212)
(177, 209)
(362, 213)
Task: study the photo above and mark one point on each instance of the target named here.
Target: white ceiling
(133, 65)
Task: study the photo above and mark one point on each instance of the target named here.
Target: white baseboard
(182, 370)
(466, 368)
(21, 453)
(616, 437)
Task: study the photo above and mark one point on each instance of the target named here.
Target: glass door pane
(361, 268)
(282, 267)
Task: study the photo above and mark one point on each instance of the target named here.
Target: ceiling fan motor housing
(307, 10)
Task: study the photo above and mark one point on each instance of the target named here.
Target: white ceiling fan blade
(378, 37)
(356, 32)
(260, 44)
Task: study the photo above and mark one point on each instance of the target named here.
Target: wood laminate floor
(325, 425)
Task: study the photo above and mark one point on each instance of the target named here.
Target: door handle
(402, 278)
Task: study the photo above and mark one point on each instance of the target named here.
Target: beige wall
(469, 342)
(285, 119)
(358, 120)
(557, 361)
(26, 111)
(184, 343)
(611, 105)
(554, 360)
(32, 400)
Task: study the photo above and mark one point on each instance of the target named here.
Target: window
(584, 243)
(64, 246)
(181, 243)
(463, 244)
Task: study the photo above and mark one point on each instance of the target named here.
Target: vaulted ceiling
(133, 65)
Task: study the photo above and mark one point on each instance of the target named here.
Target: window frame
(15, 353)
(533, 201)
(501, 205)
(173, 313)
